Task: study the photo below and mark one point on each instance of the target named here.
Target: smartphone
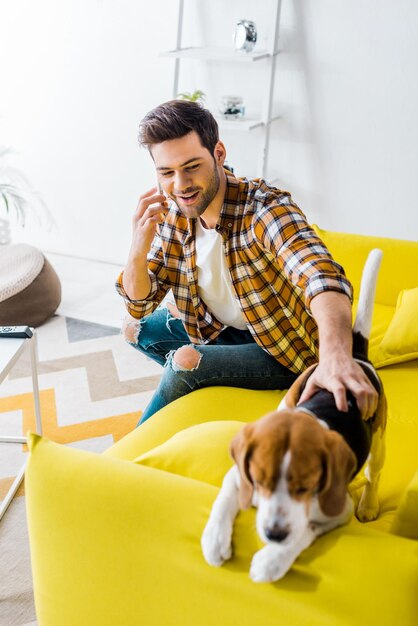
(160, 191)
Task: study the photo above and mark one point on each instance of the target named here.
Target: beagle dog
(295, 464)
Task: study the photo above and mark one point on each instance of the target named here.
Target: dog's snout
(276, 533)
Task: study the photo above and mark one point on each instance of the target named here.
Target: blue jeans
(233, 359)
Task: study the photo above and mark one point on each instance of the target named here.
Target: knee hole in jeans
(185, 359)
(131, 329)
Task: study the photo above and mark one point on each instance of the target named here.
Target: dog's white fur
(279, 510)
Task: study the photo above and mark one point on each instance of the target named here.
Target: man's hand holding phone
(150, 212)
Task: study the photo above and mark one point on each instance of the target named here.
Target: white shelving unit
(210, 53)
(229, 57)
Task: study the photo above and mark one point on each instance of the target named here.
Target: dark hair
(175, 119)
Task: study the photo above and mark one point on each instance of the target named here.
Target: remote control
(22, 332)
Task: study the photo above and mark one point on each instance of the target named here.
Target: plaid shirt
(277, 265)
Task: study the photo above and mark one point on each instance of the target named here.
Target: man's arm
(283, 230)
(136, 280)
(301, 255)
(337, 370)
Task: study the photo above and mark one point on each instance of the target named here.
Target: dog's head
(289, 459)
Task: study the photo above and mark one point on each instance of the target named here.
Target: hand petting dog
(339, 374)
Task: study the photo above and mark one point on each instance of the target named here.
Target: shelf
(217, 54)
(243, 124)
(239, 124)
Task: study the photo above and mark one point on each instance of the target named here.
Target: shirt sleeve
(159, 284)
(282, 229)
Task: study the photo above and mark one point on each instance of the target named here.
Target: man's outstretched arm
(337, 370)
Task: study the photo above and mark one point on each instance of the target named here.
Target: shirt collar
(230, 205)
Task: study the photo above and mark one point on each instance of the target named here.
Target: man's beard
(206, 198)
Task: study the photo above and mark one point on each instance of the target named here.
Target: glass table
(11, 349)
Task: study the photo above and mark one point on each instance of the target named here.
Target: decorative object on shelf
(232, 107)
(196, 96)
(245, 36)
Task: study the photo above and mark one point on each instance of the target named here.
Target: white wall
(77, 77)
(351, 129)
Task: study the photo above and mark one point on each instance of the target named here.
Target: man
(258, 298)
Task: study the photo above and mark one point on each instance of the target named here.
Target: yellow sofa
(115, 538)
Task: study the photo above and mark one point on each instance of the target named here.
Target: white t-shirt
(214, 282)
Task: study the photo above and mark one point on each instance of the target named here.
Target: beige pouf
(30, 290)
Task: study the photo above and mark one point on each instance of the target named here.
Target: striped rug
(93, 389)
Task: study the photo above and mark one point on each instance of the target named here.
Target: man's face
(187, 172)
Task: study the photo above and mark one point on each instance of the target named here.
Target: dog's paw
(368, 508)
(216, 543)
(270, 564)
(367, 513)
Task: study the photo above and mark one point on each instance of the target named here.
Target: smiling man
(257, 296)
(207, 190)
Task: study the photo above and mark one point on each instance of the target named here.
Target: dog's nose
(276, 533)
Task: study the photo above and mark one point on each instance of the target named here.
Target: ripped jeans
(233, 359)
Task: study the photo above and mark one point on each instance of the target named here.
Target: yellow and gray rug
(93, 389)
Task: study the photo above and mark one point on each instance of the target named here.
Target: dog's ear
(339, 464)
(241, 452)
(295, 390)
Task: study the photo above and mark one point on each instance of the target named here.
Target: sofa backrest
(399, 269)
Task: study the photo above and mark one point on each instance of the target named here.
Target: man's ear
(219, 153)
(339, 464)
(241, 450)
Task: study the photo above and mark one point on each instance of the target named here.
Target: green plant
(196, 96)
(15, 190)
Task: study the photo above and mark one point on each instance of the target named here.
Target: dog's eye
(301, 490)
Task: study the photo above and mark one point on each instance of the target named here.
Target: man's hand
(338, 374)
(149, 212)
(337, 370)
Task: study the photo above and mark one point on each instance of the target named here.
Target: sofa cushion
(200, 452)
(405, 522)
(205, 405)
(399, 264)
(382, 316)
(400, 342)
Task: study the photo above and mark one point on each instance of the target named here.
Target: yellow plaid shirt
(277, 265)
